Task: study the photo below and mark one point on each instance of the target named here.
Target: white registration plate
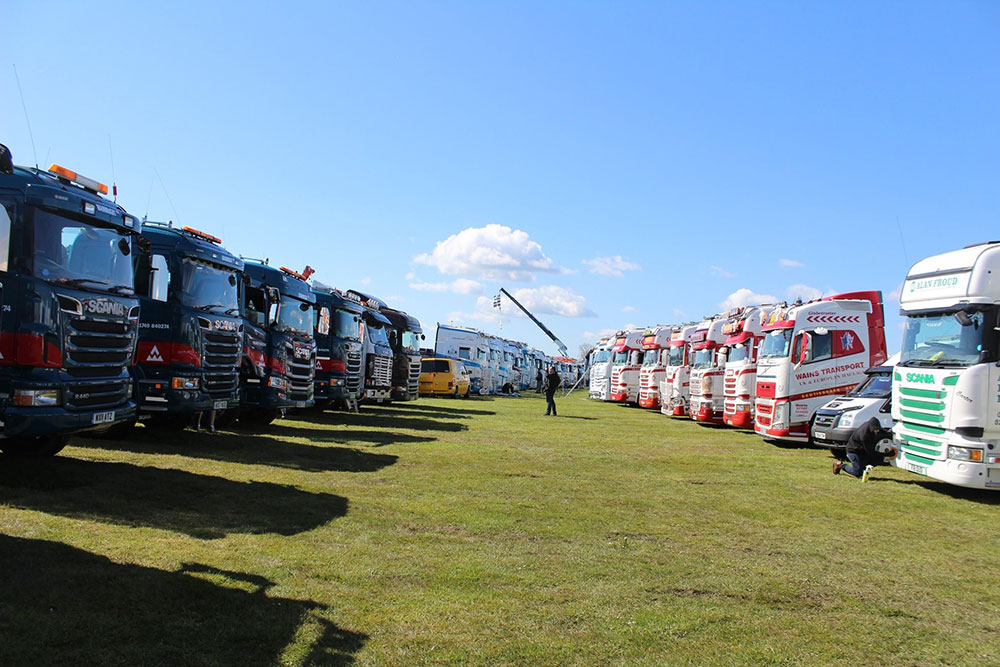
(103, 417)
(819, 435)
(300, 404)
(220, 405)
(913, 467)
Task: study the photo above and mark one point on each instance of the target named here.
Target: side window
(6, 216)
(323, 321)
(465, 352)
(152, 276)
(821, 347)
(797, 355)
(254, 305)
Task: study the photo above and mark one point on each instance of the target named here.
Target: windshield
(874, 386)
(702, 359)
(434, 366)
(295, 315)
(344, 324)
(377, 335)
(776, 344)
(601, 356)
(621, 357)
(652, 356)
(208, 287)
(676, 357)
(738, 352)
(954, 338)
(80, 254)
(411, 341)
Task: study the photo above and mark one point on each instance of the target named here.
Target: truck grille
(353, 380)
(381, 370)
(413, 385)
(97, 352)
(300, 377)
(825, 421)
(221, 362)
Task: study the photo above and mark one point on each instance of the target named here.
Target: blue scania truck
(279, 351)
(190, 325)
(69, 314)
(338, 347)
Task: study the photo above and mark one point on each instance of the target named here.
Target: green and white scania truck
(946, 389)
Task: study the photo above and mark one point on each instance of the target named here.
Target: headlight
(965, 454)
(780, 417)
(847, 419)
(185, 383)
(336, 382)
(276, 382)
(36, 397)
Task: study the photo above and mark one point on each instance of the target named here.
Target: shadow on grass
(983, 496)
(577, 417)
(458, 409)
(237, 447)
(201, 506)
(383, 419)
(65, 606)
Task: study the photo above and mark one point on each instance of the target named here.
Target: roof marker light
(293, 273)
(202, 235)
(84, 182)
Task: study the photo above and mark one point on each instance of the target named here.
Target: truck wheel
(49, 445)
(226, 418)
(257, 417)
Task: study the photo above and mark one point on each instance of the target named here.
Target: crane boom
(559, 343)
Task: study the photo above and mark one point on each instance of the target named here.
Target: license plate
(819, 436)
(300, 404)
(103, 417)
(220, 405)
(913, 467)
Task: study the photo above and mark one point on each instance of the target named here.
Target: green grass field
(480, 532)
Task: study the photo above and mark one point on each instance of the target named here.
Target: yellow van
(443, 377)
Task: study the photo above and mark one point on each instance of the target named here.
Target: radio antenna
(25, 107)
(114, 181)
(164, 186)
(152, 179)
(902, 243)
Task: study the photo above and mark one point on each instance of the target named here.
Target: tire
(48, 445)
(257, 417)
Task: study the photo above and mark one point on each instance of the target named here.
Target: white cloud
(790, 263)
(411, 276)
(745, 297)
(896, 293)
(611, 266)
(804, 292)
(366, 280)
(629, 309)
(679, 313)
(493, 252)
(548, 300)
(721, 272)
(459, 286)
(597, 335)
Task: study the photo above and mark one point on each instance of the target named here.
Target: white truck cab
(655, 348)
(946, 386)
(707, 368)
(674, 389)
(625, 365)
(744, 339)
(600, 370)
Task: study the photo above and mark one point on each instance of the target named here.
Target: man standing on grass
(861, 449)
(552, 382)
(538, 381)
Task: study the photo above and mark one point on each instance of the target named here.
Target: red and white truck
(625, 365)
(811, 352)
(707, 366)
(656, 349)
(677, 375)
(744, 331)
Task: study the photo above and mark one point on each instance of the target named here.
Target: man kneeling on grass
(861, 448)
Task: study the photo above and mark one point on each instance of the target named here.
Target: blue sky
(609, 163)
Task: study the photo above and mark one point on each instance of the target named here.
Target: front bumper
(32, 422)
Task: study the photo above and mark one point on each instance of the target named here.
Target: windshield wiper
(208, 306)
(79, 282)
(121, 289)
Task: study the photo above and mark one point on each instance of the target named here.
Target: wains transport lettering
(833, 370)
